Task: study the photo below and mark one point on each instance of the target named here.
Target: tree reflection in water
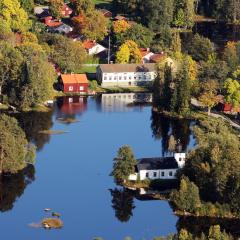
(33, 123)
(122, 203)
(13, 186)
(163, 128)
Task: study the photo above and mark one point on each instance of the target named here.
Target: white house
(126, 74)
(63, 28)
(158, 168)
(93, 48)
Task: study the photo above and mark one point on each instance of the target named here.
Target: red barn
(77, 83)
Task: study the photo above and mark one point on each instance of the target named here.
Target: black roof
(157, 163)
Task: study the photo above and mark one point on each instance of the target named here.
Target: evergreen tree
(124, 164)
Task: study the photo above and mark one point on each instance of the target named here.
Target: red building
(66, 11)
(77, 83)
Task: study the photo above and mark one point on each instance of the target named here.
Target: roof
(104, 11)
(144, 51)
(88, 44)
(112, 68)
(157, 163)
(74, 78)
(157, 57)
(119, 17)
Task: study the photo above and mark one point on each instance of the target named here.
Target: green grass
(102, 1)
(87, 69)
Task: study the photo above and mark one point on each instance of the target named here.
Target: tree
(129, 53)
(232, 88)
(120, 26)
(187, 198)
(200, 48)
(14, 15)
(93, 25)
(172, 144)
(137, 33)
(83, 6)
(230, 55)
(123, 55)
(15, 152)
(27, 5)
(56, 7)
(208, 96)
(124, 164)
(69, 55)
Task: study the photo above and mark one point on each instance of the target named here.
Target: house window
(125, 78)
(70, 100)
(162, 174)
(70, 88)
(110, 78)
(147, 175)
(81, 88)
(105, 78)
(155, 174)
(170, 174)
(120, 78)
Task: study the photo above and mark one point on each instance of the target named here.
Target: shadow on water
(164, 128)
(12, 187)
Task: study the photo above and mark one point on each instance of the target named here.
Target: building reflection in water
(121, 101)
(12, 187)
(70, 107)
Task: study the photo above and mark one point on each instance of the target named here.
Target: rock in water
(52, 223)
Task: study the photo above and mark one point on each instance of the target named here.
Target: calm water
(71, 174)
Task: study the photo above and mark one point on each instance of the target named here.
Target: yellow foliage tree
(123, 55)
(120, 26)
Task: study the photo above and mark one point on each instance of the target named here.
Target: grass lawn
(103, 3)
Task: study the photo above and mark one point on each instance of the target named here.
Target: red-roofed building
(92, 47)
(157, 57)
(66, 11)
(74, 83)
(146, 54)
(52, 23)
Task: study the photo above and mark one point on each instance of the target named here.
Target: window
(105, 78)
(154, 174)
(81, 88)
(120, 78)
(70, 100)
(147, 175)
(125, 78)
(170, 174)
(110, 78)
(70, 88)
(162, 174)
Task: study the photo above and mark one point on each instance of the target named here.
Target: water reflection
(166, 129)
(122, 203)
(70, 107)
(13, 186)
(122, 101)
(33, 123)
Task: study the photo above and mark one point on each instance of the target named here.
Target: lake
(71, 174)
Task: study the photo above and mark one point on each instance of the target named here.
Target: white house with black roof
(158, 168)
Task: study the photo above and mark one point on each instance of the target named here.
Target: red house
(66, 11)
(76, 83)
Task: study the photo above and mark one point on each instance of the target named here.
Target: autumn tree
(120, 26)
(123, 54)
(232, 88)
(124, 164)
(15, 16)
(56, 7)
(93, 25)
(83, 6)
(230, 55)
(15, 152)
(208, 96)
